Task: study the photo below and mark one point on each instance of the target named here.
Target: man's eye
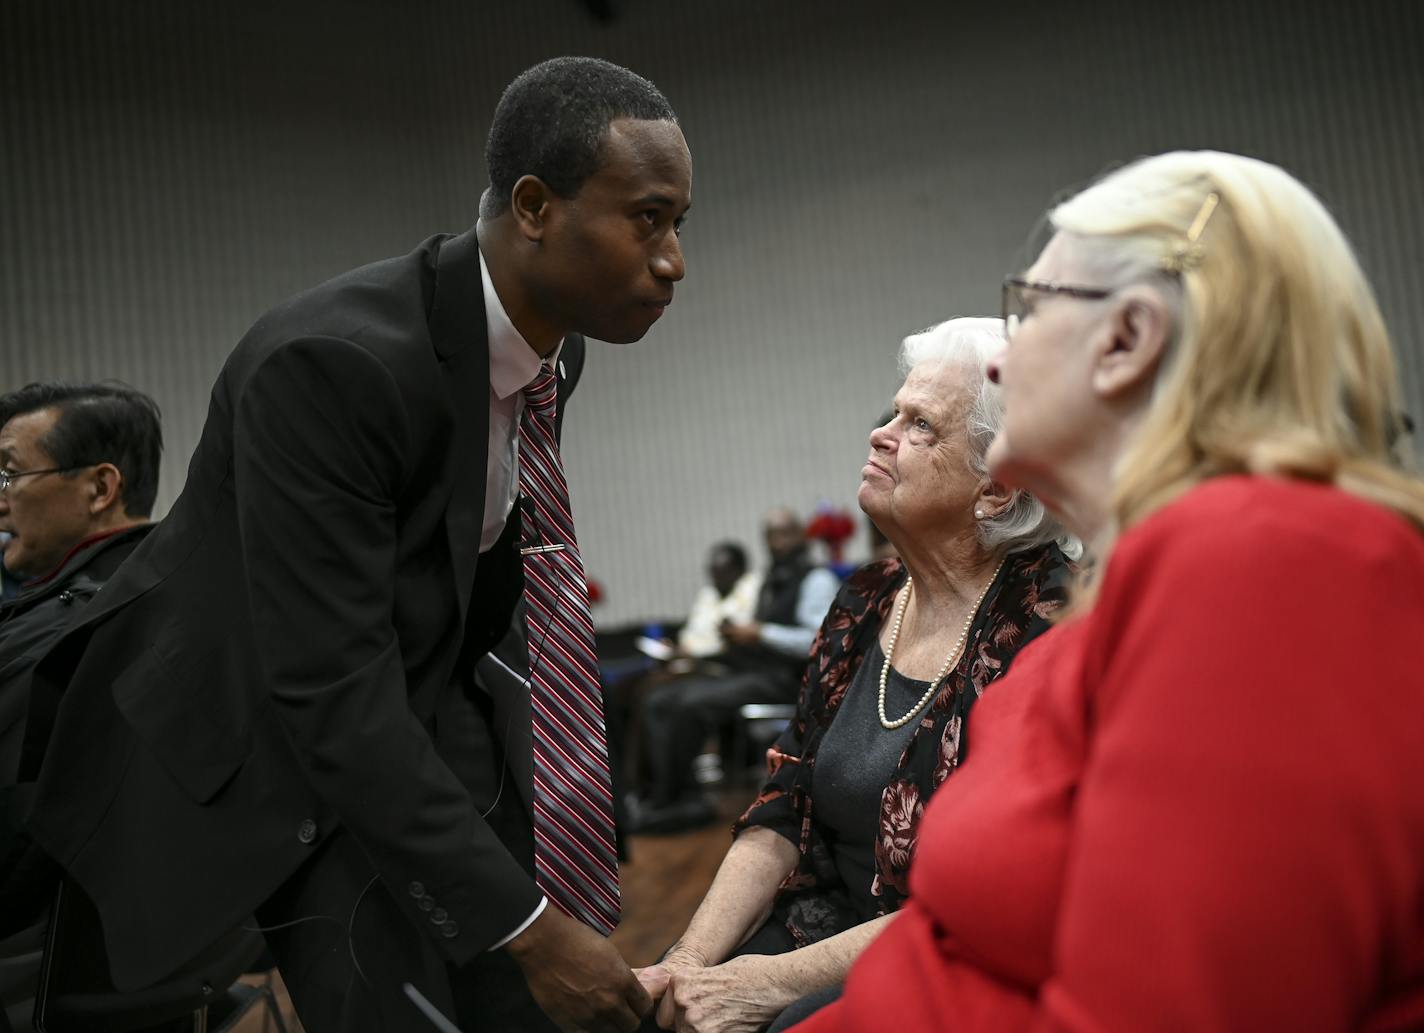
(921, 423)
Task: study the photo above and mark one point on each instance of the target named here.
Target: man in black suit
(271, 707)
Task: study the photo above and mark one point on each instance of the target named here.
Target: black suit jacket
(275, 657)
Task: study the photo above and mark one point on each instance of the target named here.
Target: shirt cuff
(543, 903)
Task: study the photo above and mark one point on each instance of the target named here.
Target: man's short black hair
(733, 551)
(552, 119)
(99, 423)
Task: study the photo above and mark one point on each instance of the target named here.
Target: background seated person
(819, 864)
(730, 595)
(1200, 381)
(760, 661)
(78, 478)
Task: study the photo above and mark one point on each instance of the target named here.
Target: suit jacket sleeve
(321, 453)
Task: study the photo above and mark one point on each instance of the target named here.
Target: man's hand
(748, 634)
(577, 977)
(655, 978)
(743, 995)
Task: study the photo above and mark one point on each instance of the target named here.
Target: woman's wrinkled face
(918, 480)
(1045, 376)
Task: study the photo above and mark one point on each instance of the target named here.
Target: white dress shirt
(513, 364)
(702, 634)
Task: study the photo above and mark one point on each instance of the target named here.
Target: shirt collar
(513, 363)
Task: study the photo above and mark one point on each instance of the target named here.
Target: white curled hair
(972, 342)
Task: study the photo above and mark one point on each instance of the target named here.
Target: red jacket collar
(93, 539)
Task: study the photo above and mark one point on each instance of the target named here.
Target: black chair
(758, 725)
(76, 993)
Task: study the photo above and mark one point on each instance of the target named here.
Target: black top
(814, 903)
(858, 757)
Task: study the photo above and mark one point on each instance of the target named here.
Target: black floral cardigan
(813, 901)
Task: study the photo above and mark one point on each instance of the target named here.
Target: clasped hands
(746, 634)
(742, 995)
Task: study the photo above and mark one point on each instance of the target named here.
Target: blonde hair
(1279, 361)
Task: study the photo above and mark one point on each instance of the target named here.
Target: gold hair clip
(1185, 253)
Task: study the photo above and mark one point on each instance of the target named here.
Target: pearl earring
(978, 514)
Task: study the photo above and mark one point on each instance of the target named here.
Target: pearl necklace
(949, 662)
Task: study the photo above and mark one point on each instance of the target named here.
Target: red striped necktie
(574, 857)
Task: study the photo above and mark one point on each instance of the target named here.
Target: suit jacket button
(307, 832)
(425, 903)
(439, 915)
(417, 890)
(450, 930)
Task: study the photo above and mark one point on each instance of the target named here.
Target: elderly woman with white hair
(1196, 804)
(819, 864)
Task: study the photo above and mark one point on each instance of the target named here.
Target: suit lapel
(460, 336)
(458, 331)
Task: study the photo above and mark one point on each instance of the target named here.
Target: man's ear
(106, 490)
(1133, 342)
(529, 204)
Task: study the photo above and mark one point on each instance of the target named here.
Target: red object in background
(832, 526)
(595, 592)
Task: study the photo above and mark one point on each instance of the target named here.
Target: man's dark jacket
(32, 621)
(278, 656)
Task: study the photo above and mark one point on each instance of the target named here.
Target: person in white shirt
(730, 596)
(761, 661)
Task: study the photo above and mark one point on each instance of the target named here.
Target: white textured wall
(169, 169)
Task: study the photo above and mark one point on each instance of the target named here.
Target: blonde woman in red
(1198, 804)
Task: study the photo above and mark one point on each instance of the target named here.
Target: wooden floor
(662, 883)
(664, 879)
(259, 1019)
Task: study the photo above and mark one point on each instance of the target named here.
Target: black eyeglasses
(1016, 304)
(7, 477)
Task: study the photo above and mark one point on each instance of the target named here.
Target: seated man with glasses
(78, 477)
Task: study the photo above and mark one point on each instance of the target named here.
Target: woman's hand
(655, 978)
(743, 995)
(737, 904)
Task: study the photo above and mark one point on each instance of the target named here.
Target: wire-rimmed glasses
(1016, 304)
(8, 477)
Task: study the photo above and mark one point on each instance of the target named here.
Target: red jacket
(1200, 807)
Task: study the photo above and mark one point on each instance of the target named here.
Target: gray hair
(972, 342)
